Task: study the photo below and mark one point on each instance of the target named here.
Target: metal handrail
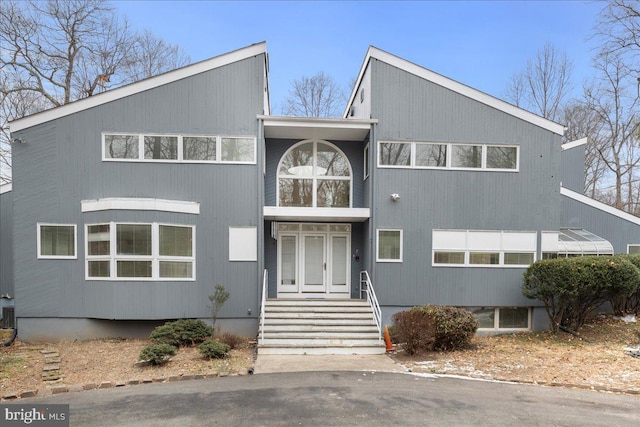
(372, 299)
(265, 279)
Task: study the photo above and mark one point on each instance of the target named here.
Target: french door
(314, 260)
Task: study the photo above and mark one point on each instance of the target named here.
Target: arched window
(314, 174)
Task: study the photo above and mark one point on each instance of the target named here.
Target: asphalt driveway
(344, 398)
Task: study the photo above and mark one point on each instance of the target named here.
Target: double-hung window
(125, 251)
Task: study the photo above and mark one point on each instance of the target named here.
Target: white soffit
(599, 205)
(140, 204)
(453, 85)
(316, 214)
(573, 144)
(316, 128)
(140, 86)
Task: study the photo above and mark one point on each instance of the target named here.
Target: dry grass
(545, 358)
(95, 361)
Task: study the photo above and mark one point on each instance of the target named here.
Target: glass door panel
(339, 264)
(314, 263)
(288, 268)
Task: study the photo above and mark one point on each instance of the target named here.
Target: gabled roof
(453, 85)
(573, 144)
(140, 86)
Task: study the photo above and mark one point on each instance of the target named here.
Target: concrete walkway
(277, 363)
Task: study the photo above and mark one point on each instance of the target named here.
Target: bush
(572, 288)
(190, 331)
(414, 329)
(432, 327)
(455, 327)
(212, 349)
(157, 354)
(233, 341)
(627, 304)
(165, 334)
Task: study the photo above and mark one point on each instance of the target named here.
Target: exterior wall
(6, 243)
(412, 109)
(618, 231)
(572, 171)
(60, 165)
(361, 106)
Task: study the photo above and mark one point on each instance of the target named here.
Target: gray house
(128, 207)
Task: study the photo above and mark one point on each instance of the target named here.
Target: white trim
(140, 204)
(599, 205)
(453, 85)
(573, 144)
(5, 188)
(287, 213)
(378, 259)
(141, 86)
(629, 245)
(316, 128)
(367, 164)
(50, 224)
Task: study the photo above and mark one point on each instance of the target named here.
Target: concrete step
(319, 321)
(270, 328)
(322, 335)
(317, 309)
(313, 341)
(312, 315)
(310, 302)
(365, 349)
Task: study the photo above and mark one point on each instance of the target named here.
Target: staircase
(303, 326)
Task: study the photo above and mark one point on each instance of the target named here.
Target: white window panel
(243, 244)
(519, 241)
(449, 239)
(633, 249)
(549, 241)
(483, 240)
(389, 245)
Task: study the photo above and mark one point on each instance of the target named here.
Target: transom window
(178, 148)
(314, 174)
(431, 155)
(140, 251)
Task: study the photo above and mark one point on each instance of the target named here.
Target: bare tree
(544, 84)
(618, 26)
(58, 51)
(316, 96)
(613, 101)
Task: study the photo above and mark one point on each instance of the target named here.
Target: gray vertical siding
(573, 169)
(60, 165)
(616, 230)
(6, 244)
(412, 109)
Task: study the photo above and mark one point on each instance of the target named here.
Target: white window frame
(630, 245)
(496, 320)
(500, 248)
(50, 224)
(366, 164)
(315, 178)
(155, 256)
(378, 259)
(180, 148)
(448, 166)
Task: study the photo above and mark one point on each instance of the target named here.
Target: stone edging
(51, 390)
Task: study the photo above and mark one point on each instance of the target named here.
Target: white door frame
(328, 289)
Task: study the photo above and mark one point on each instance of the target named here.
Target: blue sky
(478, 43)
